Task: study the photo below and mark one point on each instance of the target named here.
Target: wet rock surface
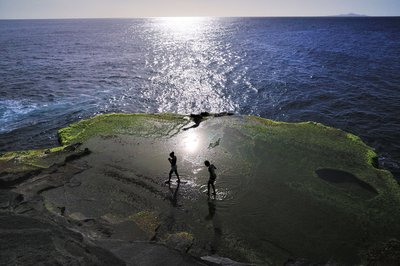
(35, 231)
(105, 200)
(29, 241)
(347, 181)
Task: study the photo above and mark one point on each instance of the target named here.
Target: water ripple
(340, 72)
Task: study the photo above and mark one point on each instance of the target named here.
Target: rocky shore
(286, 194)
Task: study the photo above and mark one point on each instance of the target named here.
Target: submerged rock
(285, 191)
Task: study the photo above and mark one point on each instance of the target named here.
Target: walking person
(174, 169)
(213, 176)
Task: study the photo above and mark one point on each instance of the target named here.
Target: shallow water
(342, 72)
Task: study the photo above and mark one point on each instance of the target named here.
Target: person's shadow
(174, 195)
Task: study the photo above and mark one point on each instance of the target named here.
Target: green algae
(284, 160)
(281, 159)
(162, 125)
(155, 125)
(185, 235)
(314, 146)
(148, 221)
(49, 206)
(180, 236)
(314, 138)
(181, 241)
(307, 143)
(29, 154)
(20, 161)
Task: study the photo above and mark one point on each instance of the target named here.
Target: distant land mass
(351, 15)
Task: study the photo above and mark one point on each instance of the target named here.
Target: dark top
(211, 169)
(173, 161)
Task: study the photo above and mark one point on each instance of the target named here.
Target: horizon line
(147, 17)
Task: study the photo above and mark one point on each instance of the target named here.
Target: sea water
(342, 72)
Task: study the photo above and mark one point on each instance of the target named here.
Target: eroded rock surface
(274, 204)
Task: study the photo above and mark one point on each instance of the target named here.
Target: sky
(39, 9)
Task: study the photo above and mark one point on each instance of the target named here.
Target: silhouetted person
(174, 168)
(213, 176)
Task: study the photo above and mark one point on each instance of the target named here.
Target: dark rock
(9, 199)
(77, 155)
(217, 260)
(305, 262)
(205, 114)
(386, 253)
(180, 241)
(72, 147)
(30, 241)
(147, 254)
(11, 179)
(375, 162)
(198, 118)
(62, 210)
(129, 231)
(214, 144)
(223, 114)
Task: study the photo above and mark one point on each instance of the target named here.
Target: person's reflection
(211, 208)
(215, 242)
(174, 195)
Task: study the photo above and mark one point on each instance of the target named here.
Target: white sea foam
(16, 114)
(12, 112)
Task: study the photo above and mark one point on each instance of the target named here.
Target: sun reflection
(182, 26)
(189, 67)
(191, 142)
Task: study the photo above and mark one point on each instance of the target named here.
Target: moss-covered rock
(284, 190)
(181, 241)
(148, 221)
(70, 138)
(147, 125)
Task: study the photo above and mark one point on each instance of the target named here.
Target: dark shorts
(211, 181)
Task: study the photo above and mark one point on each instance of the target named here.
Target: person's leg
(177, 175)
(213, 186)
(170, 174)
(208, 188)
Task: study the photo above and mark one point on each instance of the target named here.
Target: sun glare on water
(182, 26)
(191, 142)
(189, 67)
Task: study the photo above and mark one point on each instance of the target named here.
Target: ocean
(342, 72)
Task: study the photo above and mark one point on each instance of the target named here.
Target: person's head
(207, 163)
(172, 154)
